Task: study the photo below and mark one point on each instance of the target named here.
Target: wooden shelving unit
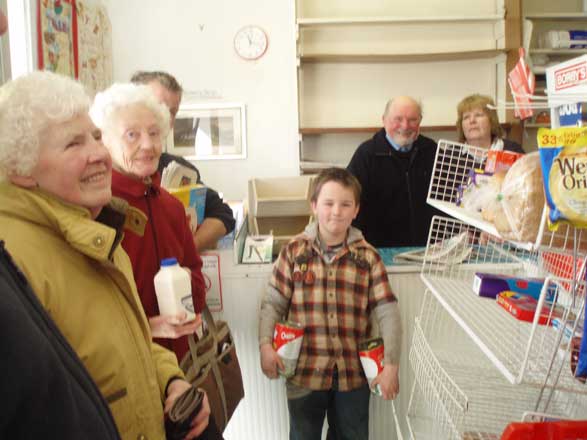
(352, 59)
(538, 20)
(334, 21)
(399, 57)
(342, 130)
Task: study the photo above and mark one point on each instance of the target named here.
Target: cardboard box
(279, 196)
(282, 228)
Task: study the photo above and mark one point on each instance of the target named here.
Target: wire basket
(453, 165)
(522, 351)
(457, 393)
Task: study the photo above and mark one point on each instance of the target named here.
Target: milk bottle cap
(169, 261)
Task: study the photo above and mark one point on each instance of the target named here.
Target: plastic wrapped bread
(517, 213)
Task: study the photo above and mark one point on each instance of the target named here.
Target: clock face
(250, 42)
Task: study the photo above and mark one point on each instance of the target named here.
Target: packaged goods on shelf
(500, 161)
(477, 191)
(521, 200)
(523, 307)
(489, 285)
(571, 39)
(563, 154)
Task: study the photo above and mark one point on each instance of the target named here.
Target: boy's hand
(388, 381)
(270, 361)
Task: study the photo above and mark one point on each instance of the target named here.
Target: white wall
(193, 40)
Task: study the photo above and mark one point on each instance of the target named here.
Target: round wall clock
(250, 42)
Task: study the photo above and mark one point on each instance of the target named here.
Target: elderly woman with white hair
(63, 231)
(134, 125)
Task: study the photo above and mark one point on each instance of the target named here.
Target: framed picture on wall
(210, 131)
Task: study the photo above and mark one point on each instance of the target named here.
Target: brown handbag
(212, 364)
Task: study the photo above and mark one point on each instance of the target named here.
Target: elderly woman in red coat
(134, 125)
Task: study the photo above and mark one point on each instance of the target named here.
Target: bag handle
(215, 370)
(210, 358)
(209, 320)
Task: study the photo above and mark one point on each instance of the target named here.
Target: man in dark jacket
(218, 219)
(46, 391)
(394, 168)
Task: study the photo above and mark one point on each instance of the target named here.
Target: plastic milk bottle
(173, 288)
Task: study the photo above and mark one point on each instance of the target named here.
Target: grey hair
(29, 105)
(417, 103)
(121, 95)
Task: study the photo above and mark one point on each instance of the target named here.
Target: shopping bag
(212, 364)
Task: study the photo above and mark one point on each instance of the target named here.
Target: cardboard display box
(279, 196)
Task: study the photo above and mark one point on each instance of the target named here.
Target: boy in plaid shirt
(330, 280)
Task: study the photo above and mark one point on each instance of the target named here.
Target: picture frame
(209, 131)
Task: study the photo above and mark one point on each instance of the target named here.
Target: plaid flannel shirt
(333, 305)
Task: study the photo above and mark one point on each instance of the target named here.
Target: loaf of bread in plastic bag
(518, 211)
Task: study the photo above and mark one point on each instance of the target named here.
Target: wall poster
(95, 46)
(57, 36)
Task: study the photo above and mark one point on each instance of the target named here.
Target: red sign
(570, 76)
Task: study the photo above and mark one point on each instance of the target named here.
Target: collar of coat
(95, 238)
(130, 186)
(383, 148)
(354, 245)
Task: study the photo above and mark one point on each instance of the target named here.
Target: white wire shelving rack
(509, 366)
(458, 394)
(520, 350)
(452, 166)
(525, 356)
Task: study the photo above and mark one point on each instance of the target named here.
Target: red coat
(167, 234)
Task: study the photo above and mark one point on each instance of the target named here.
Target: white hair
(122, 95)
(30, 105)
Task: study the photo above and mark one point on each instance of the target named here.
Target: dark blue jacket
(46, 391)
(393, 208)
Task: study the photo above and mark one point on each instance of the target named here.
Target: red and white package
(500, 161)
(371, 356)
(287, 342)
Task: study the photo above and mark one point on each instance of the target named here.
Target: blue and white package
(489, 285)
(582, 364)
(572, 114)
